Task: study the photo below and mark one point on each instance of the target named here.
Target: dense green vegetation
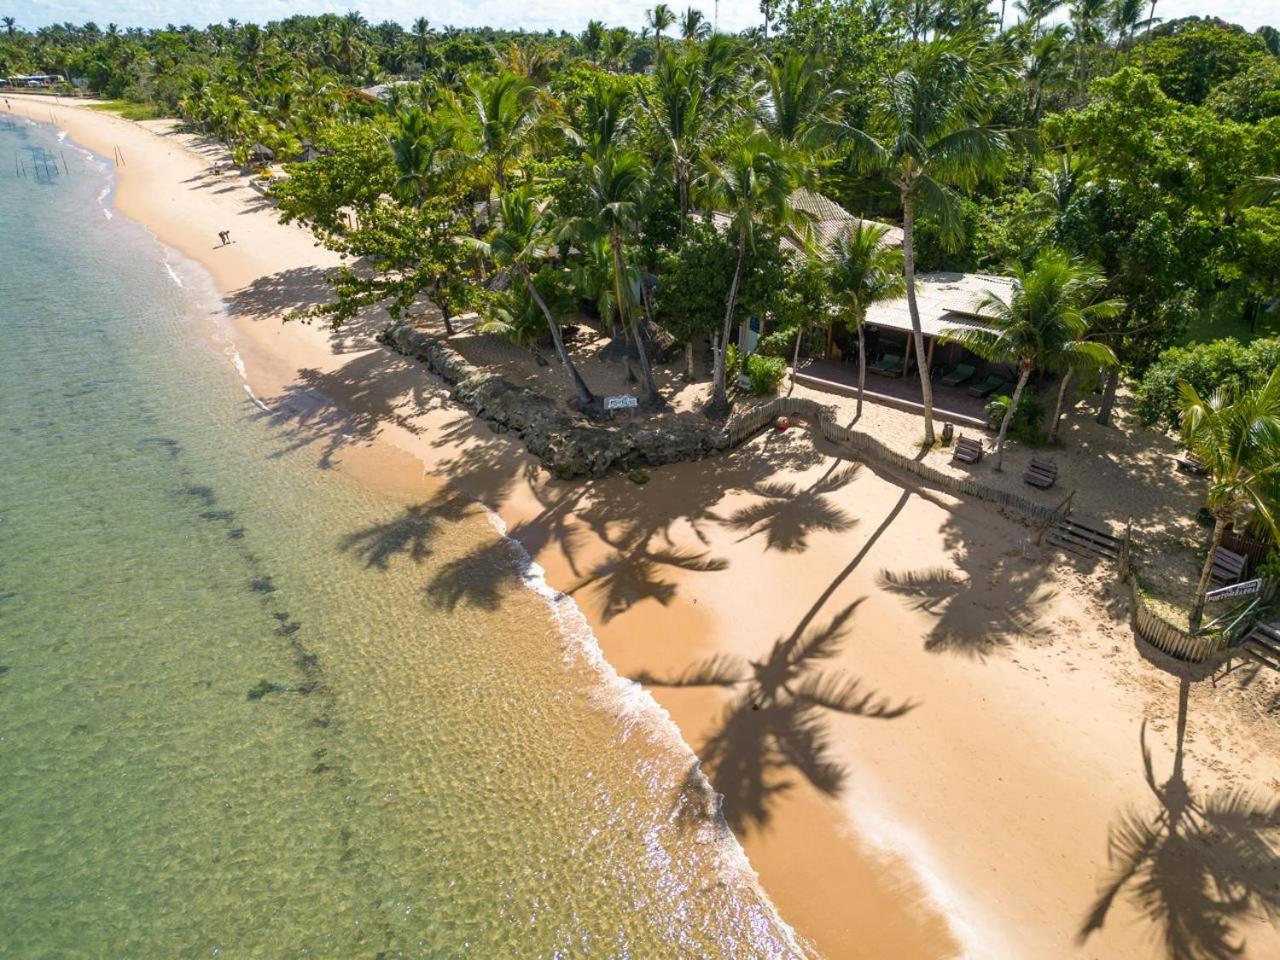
(1139, 153)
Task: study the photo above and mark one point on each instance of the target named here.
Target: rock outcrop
(569, 446)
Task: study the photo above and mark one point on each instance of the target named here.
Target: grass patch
(128, 110)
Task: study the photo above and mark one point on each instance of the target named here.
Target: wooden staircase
(1263, 644)
(1084, 540)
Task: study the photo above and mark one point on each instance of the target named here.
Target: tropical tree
(927, 132)
(753, 185)
(684, 115)
(525, 231)
(1236, 435)
(616, 185)
(862, 272)
(1043, 323)
(1087, 20)
(660, 18)
(10, 25)
(799, 104)
(421, 31)
(693, 25)
(505, 112)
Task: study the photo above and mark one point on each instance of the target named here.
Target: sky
(569, 15)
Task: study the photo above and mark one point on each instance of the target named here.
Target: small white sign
(1246, 589)
(623, 401)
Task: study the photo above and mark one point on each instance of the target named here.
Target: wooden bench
(1228, 566)
(1041, 473)
(967, 450)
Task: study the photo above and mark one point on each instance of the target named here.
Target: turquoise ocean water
(426, 773)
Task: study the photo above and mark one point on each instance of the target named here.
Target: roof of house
(829, 222)
(944, 300)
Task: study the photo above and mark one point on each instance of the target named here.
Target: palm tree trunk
(795, 360)
(688, 362)
(653, 397)
(1057, 409)
(719, 394)
(1109, 397)
(1197, 604)
(909, 267)
(584, 396)
(862, 370)
(1023, 375)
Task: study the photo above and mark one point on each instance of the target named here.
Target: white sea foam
(173, 274)
(638, 711)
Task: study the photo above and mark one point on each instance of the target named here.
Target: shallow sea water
(440, 765)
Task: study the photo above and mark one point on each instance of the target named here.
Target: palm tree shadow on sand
(967, 622)
(1198, 866)
(788, 513)
(776, 724)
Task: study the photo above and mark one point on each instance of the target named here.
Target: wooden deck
(901, 393)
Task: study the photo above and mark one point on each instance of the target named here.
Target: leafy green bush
(732, 364)
(1269, 569)
(765, 373)
(1028, 422)
(1206, 366)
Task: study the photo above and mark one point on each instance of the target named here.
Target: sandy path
(972, 820)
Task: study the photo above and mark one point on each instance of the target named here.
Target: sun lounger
(890, 365)
(958, 375)
(993, 384)
(1228, 566)
(1041, 473)
(1190, 463)
(967, 450)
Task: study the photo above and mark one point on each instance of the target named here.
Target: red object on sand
(782, 423)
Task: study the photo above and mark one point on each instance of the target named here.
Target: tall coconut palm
(660, 18)
(10, 25)
(1237, 438)
(863, 271)
(505, 110)
(753, 185)
(683, 117)
(524, 232)
(799, 103)
(616, 184)
(693, 25)
(421, 31)
(928, 131)
(1042, 324)
(1087, 20)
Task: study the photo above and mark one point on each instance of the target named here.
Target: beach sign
(1247, 588)
(623, 401)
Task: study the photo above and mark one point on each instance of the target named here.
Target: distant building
(33, 80)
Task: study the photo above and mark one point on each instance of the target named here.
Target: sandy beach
(1006, 705)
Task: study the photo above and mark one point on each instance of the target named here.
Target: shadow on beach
(1197, 866)
(775, 726)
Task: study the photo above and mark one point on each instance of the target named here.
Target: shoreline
(813, 842)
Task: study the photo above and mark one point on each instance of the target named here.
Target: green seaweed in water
(263, 687)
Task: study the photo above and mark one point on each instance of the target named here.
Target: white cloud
(532, 14)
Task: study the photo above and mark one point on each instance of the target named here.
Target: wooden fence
(869, 448)
(1147, 624)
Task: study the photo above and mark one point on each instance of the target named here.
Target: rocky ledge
(569, 446)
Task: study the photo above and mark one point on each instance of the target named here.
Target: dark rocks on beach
(568, 445)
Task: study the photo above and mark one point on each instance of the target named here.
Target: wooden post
(1125, 547)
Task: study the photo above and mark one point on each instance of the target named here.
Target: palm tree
(10, 25)
(693, 25)
(753, 185)
(1045, 67)
(616, 184)
(421, 31)
(660, 18)
(927, 132)
(862, 272)
(799, 104)
(1042, 324)
(1237, 438)
(1258, 192)
(506, 111)
(523, 234)
(1087, 17)
(769, 9)
(683, 115)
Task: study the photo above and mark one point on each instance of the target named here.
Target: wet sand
(964, 807)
